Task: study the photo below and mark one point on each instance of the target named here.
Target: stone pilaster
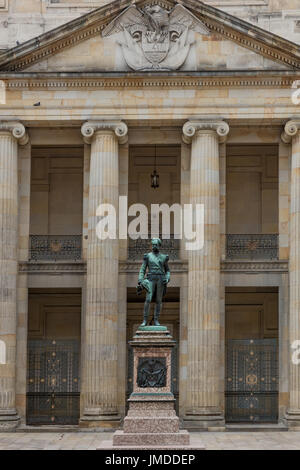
(203, 368)
(292, 134)
(122, 317)
(24, 159)
(10, 134)
(100, 365)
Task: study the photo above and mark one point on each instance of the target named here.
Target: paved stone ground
(211, 440)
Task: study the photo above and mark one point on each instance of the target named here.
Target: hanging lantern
(154, 180)
(155, 176)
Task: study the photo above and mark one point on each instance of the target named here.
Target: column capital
(89, 128)
(290, 130)
(192, 126)
(17, 130)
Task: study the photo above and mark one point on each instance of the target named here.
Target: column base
(292, 420)
(93, 421)
(204, 420)
(9, 420)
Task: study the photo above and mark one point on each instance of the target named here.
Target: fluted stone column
(10, 134)
(99, 388)
(203, 367)
(292, 134)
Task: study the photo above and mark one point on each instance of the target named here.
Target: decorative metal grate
(152, 372)
(55, 247)
(252, 380)
(252, 247)
(137, 248)
(53, 382)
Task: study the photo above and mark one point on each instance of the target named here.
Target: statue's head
(156, 244)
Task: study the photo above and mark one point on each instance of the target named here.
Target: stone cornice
(246, 34)
(176, 267)
(291, 129)
(65, 36)
(255, 267)
(134, 266)
(37, 267)
(48, 81)
(89, 128)
(90, 25)
(191, 127)
(17, 130)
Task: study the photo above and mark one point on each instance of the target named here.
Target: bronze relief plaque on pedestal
(152, 372)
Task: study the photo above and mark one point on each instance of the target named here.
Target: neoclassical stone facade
(89, 110)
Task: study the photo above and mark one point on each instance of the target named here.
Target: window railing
(252, 247)
(69, 247)
(137, 248)
(55, 247)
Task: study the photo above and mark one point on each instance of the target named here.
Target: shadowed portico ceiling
(262, 42)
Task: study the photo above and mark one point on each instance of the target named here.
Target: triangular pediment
(152, 36)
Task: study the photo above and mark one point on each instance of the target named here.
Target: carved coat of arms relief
(154, 38)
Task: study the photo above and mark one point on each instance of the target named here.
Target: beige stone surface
(100, 367)
(155, 109)
(24, 177)
(105, 54)
(277, 16)
(294, 333)
(203, 323)
(8, 269)
(284, 199)
(210, 440)
(142, 102)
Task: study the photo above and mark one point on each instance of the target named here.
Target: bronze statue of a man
(155, 283)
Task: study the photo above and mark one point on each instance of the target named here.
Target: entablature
(173, 80)
(132, 267)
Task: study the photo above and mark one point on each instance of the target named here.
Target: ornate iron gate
(53, 382)
(252, 380)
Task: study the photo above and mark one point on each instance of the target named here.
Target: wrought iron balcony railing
(55, 247)
(252, 247)
(137, 248)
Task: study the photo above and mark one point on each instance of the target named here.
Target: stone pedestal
(151, 422)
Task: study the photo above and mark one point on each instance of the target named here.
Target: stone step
(152, 413)
(108, 446)
(151, 439)
(149, 405)
(256, 427)
(139, 424)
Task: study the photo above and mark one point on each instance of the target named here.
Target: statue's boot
(156, 316)
(146, 314)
